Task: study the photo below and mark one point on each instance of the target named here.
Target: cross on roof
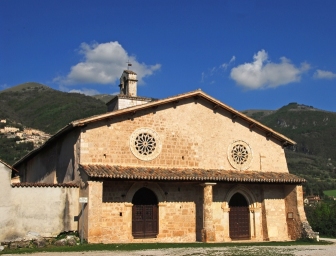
(128, 64)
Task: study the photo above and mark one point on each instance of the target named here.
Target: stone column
(161, 220)
(226, 222)
(208, 231)
(128, 217)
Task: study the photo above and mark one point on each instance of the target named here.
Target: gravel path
(300, 250)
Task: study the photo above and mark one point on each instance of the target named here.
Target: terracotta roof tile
(156, 173)
(62, 185)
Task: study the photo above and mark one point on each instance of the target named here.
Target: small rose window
(145, 144)
(240, 155)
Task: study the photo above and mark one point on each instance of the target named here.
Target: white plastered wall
(30, 212)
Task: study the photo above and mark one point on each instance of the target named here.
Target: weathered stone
(23, 244)
(39, 243)
(13, 246)
(61, 242)
(308, 232)
(71, 240)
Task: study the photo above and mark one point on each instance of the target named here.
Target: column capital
(208, 184)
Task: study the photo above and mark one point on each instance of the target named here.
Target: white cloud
(261, 73)
(103, 64)
(85, 91)
(215, 70)
(226, 65)
(4, 86)
(322, 74)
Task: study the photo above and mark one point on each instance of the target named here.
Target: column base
(208, 236)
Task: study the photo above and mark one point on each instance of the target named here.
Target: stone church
(181, 169)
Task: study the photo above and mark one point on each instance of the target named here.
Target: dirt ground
(300, 250)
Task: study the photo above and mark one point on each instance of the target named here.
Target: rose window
(145, 144)
(240, 155)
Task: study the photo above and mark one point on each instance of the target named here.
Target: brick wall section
(275, 209)
(94, 230)
(180, 216)
(110, 218)
(192, 135)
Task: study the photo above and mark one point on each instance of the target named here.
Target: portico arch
(152, 186)
(238, 194)
(132, 206)
(243, 191)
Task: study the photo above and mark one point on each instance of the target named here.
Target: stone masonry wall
(192, 135)
(110, 215)
(298, 226)
(275, 213)
(181, 211)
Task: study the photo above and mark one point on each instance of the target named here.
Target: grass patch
(330, 193)
(149, 246)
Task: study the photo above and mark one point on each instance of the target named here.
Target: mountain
(104, 97)
(314, 131)
(41, 107)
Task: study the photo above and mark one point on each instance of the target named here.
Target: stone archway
(239, 217)
(254, 212)
(159, 193)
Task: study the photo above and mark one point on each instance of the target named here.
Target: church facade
(182, 169)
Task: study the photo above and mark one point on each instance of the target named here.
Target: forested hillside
(40, 107)
(37, 106)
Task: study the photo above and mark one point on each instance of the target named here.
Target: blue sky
(248, 54)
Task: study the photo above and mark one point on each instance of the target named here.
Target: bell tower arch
(128, 83)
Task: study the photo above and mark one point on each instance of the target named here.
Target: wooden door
(144, 221)
(239, 222)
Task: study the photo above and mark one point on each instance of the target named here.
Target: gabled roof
(196, 95)
(187, 174)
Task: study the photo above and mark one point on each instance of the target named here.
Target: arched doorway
(144, 214)
(239, 218)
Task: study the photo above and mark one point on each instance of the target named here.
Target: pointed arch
(240, 218)
(241, 189)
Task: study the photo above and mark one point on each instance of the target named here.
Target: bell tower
(128, 83)
(128, 93)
